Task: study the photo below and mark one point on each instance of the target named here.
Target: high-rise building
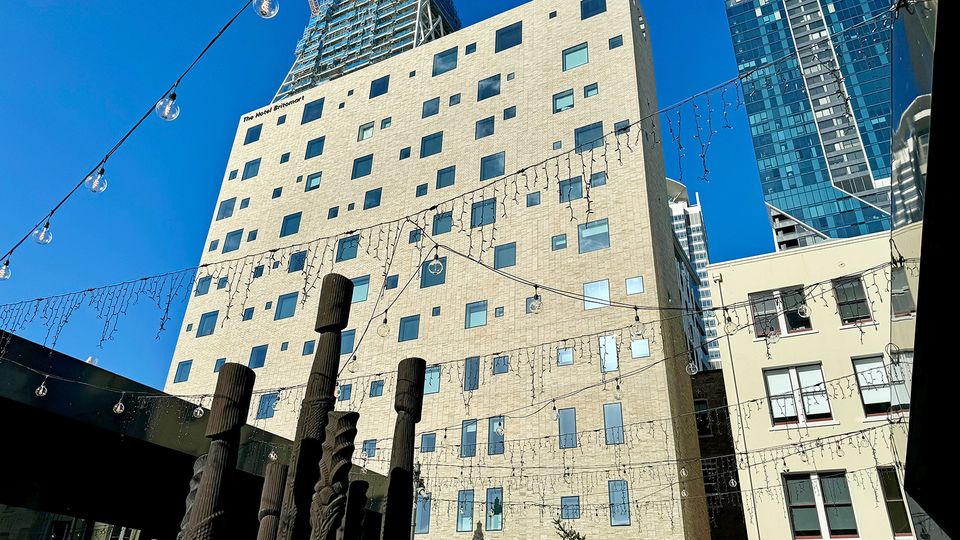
(552, 321)
(691, 232)
(346, 35)
(819, 113)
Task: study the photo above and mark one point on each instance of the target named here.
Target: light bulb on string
(733, 482)
(683, 492)
(96, 182)
(167, 108)
(693, 368)
(43, 236)
(556, 413)
(273, 456)
(41, 390)
(499, 429)
(198, 412)
(617, 394)
(773, 336)
(5, 272)
(118, 408)
(637, 329)
(535, 304)
(384, 329)
(266, 9)
(729, 326)
(436, 265)
(803, 311)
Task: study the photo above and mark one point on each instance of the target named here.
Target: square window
(276, 193)
(405, 153)
(431, 380)
(589, 8)
(380, 86)
(415, 236)
(498, 311)
(347, 340)
(428, 442)
(510, 112)
(309, 347)
(413, 74)
(470, 48)
(286, 306)
(314, 148)
(285, 345)
(591, 90)
(476, 314)
(444, 61)
(290, 225)
(557, 145)
(435, 312)
(258, 271)
(345, 393)
(365, 131)
(635, 285)
(616, 41)
(233, 175)
(571, 189)
(588, 137)
(575, 56)
(431, 144)
(446, 176)
(562, 101)
(392, 282)
(533, 199)
(245, 202)
(253, 134)
(598, 179)
(593, 236)
(409, 328)
(362, 166)
(488, 88)
(428, 278)
(251, 169)
(361, 288)
(442, 223)
(570, 507)
(225, 210)
(333, 212)
(596, 294)
(454, 100)
(251, 235)
(258, 357)
(386, 122)
(492, 166)
(347, 248)
(484, 128)
(297, 261)
(621, 127)
(505, 256)
(511, 76)
(247, 314)
(509, 36)
(501, 364)
(430, 107)
(312, 111)
(282, 119)
(218, 364)
(422, 190)
(313, 181)
(222, 283)
(558, 242)
(640, 348)
(483, 213)
(376, 388)
(371, 199)
(267, 406)
(203, 286)
(232, 241)
(284, 157)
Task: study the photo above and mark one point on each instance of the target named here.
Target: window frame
(799, 397)
(565, 54)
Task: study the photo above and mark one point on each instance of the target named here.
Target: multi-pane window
(347, 248)
(430, 107)
(380, 86)
(471, 373)
(591, 90)
(492, 166)
(290, 224)
(371, 199)
(880, 392)
(828, 508)
(852, 300)
(596, 294)
(893, 497)
(267, 405)
(314, 148)
(258, 356)
(588, 137)
(609, 356)
(570, 507)
(431, 144)
(444, 61)
(446, 176)
(563, 101)
(613, 423)
(208, 323)
(409, 328)
(183, 371)
(483, 213)
(575, 56)
(494, 509)
(251, 169)
(505, 255)
(593, 236)
(567, 423)
(428, 278)
(901, 297)
(779, 310)
(253, 134)
(488, 88)
(619, 499)
(476, 314)
(312, 111)
(465, 510)
(286, 306)
(484, 128)
(797, 394)
(421, 522)
(509, 36)
(589, 8)
(431, 380)
(468, 438)
(365, 131)
(571, 189)
(225, 209)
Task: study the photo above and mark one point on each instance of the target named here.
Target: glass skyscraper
(820, 117)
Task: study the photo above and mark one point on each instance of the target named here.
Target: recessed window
(431, 144)
(575, 56)
(392, 282)
(533, 199)
(404, 153)
(701, 409)
(369, 448)
(797, 394)
(282, 119)
(380, 86)
(511, 76)
(347, 340)
(444, 61)
(569, 506)
(619, 499)
(565, 356)
(253, 134)
(333, 212)
(347, 248)
(484, 128)
(505, 256)
(562, 101)
(290, 225)
(591, 90)
(428, 278)
(218, 364)
(431, 380)
(345, 393)
(267, 406)
(635, 285)
(284, 157)
(225, 210)
(430, 107)
(362, 166)
(483, 213)
(247, 314)
(277, 191)
(567, 420)
(589, 8)
(616, 41)
(232, 241)
(621, 127)
(488, 88)
(465, 496)
(415, 236)
(312, 111)
(442, 223)
(558, 242)
(492, 166)
(598, 179)
(588, 137)
(222, 283)
(471, 374)
(251, 235)
(258, 271)
(386, 122)
(613, 423)
(510, 112)
(245, 202)
(435, 311)
(309, 347)
(286, 306)
(251, 169)
(470, 48)
(376, 388)
(446, 177)
(596, 294)
(258, 357)
(314, 148)
(779, 311)
(313, 181)
(371, 199)
(428, 442)
(468, 448)
(593, 236)
(203, 286)
(557, 145)
(509, 36)
(421, 190)
(183, 371)
(365, 131)
(454, 100)
(476, 314)
(571, 189)
(409, 328)
(813, 511)
(879, 393)
(609, 355)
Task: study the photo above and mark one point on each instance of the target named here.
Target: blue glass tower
(346, 35)
(821, 118)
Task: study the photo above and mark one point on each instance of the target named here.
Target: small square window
(222, 283)
(333, 212)
(413, 74)
(492, 166)
(530, 304)
(351, 206)
(284, 346)
(422, 190)
(446, 177)
(640, 348)
(511, 76)
(232, 241)
(488, 88)
(350, 92)
(558, 242)
(470, 48)
(247, 314)
(277, 192)
(218, 364)
(557, 145)
(282, 119)
(484, 128)
(510, 112)
(392, 282)
(591, 90)
(428, 278)
(376, 388)
(258, 271)
(245, 202)
(347, 248)
(562, 101)
(233, 175)
(208, 323)
(575, 56)
(214, 244)
(430, 107)
(635, 285)
(409, 328)
(345, 393)
(203, 286)
(498, 311)
(285, 157)
(565, 356)
(251, 235)
(365, 131)
(405, 153)
(313, 181)
(380, 86)
(616, 41)
(386, 122)
(533, 199)
(598, 179)
(621, 127)
(505, 256)
(309, 347)
(454, 100)
(442, 223)
(190, 327)
(570, 507)
(267, 406)
(553, 14)
(435, 311)
(251, 169)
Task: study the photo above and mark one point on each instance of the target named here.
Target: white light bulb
(436, 266)
(683, 492)
(384, 329)
(266, 8)
(804, 311)
(773, 336)
(556, 413)
(637, 329)
(500, 429)
(167, 108)
(733, 482)
(43, 236)
(683, 472)
(617, 394)
(96, 181)
(536, 303)
(119, 408)
(693, 368)
(42, 389)
(273, 456)
(5, 272)
(198, 412)
(729, 326)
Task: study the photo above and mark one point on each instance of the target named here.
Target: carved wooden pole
(330, 494)
(409, 405)
(198, 466)
(352, 526)
(332, 317)
(270, 499)
(209, 518)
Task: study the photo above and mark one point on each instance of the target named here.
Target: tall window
(422, 516)
(509, 36)
(701, 410)
(570, 507)
(489, 87)
(495, 432)
(779, 310)
(431, 380)
(575, 56)
(444, 61)
(613, 423)
(361, 289)
(893, 497)
(797, 394)
(900, 295)
(313, 181)
(593, 236)
(465, 510)
(609, 359)
(505, 255)
(852, 300)
(471, 373)
(312, 111)
(813, 511)
(428, 443)
(619, 499)
(567, 421)
(258, 356)
(183, 371)
(468, 438)
(879, 392)
(494, 509)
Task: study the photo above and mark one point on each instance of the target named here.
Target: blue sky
(78, 74)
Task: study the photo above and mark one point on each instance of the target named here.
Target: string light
(499, 429)
(617, 394)
(198, 412)
(436, 265)
(804, 311)
(41, 390)
(384, 329)
(273, 456)
(729, 326)
(536, 303)
(637, 329)
(43, 236)
(556, 413)
(167, 108)
(118, 408)
(96, 182)
(692, 368)
(5, 272)
(266, 9)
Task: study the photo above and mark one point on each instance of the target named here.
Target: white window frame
(781, 313)
(798, 396)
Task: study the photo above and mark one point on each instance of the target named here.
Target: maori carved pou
(330, 497)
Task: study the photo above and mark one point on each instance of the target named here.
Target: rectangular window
(345, 393)
(218, 364)
(900, 295)
(465, 510)
(183, 371)
(567, 421)
(501, 364)
(483, 213)
(571, 189)
(421, 523)
(258, 357)
(371, 199)
(476, 314)
(430, 107)
(309, 347)
(893, 497)
(635, 285)
(468, 438)
(802, 506)
(591, 90)
(575, 56)
(369, 448)
(365, 131)
(247, 314)
(362, 166)
(596, 294)
(788, 387)
(431, 144)
(376, 388)
(494, 509)
(226, 208)
(431, 380)
(562, 101)
(619, 502)
(484, 128)
(442, 223)
(203, 286)
(286, 306)
(253, 134)
(510, 112)
(314, 148)
(492, 166)
(622, 127)
(347, 248)
(565, 356)
(852, 300)
(297, 261)
(616, 41)
(208, 323)
(361, 288)
(312, 111)
(444, 61)
(409, 328)
(290, 225)
(774, 311)
(380, 86)
(594, 236)
(471, 373)
(588, 137)
(509, 36)
(533, 199)
(609, 356)
(570, 507)
(313, 181)
(558, 242)
(347, 339)
(505, 256)
(428, 443)
(837, 504)
(446, 177)
(251, 169)
(488, 88)
(613, 423)
(879, 393)
(428, 278)
(267, 405)
(589, 8)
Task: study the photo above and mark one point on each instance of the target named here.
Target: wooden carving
(330, 496)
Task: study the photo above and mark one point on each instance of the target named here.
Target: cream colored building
(823, 406)
(595, 418)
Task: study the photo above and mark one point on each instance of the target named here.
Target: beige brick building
(824, 402)
(525, 412)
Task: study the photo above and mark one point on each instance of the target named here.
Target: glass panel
(568, 428)
(613, 423)
(813, 392)
(422, 521)
(619, 502)
(783, 407)
(465, 511)
(608, 354)
(494, 509)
